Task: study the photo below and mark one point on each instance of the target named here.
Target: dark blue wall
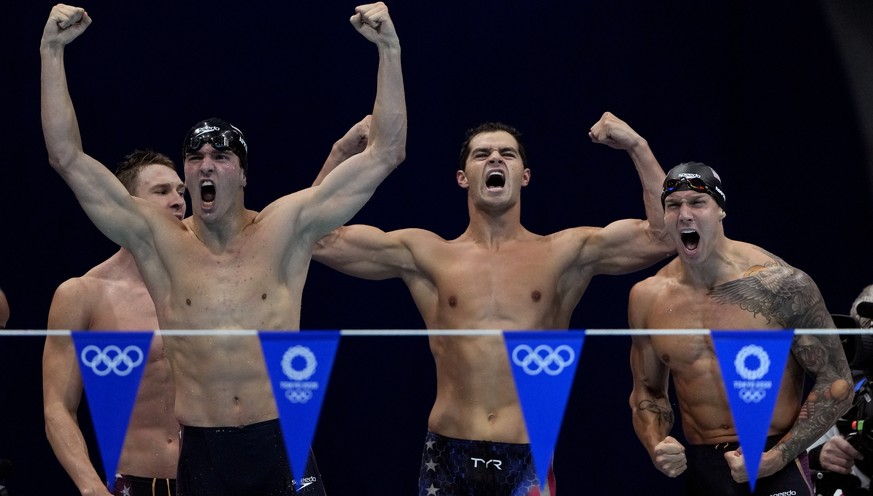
(755, 89)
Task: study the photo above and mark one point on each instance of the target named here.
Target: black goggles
(693, 184)
(225, 140)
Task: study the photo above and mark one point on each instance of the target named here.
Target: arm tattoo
(664, 415)
(789, 298)
(780, 293)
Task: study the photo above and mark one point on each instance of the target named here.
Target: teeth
(688, 231)
(495, 173)
(206, 183)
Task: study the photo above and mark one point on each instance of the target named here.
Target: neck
(494, 226)
(220, 232)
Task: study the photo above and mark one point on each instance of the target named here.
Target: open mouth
(207, 191)
(495, 179)
(690, 239)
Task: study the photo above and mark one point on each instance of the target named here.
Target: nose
(684, 211)
(177, 201)
(495, 157)
(207, 165)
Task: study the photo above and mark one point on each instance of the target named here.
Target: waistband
(265, 425)
(733, 445)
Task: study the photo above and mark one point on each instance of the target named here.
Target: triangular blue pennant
(299, 364)
(752, 364)
(111, 364)
(544, 365)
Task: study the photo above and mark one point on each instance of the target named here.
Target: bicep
(365, 251)
(623, 246)
(343, 193)
(105, 200)
(649, 373)
(61, 379)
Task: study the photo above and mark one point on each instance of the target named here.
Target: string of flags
(543, 366)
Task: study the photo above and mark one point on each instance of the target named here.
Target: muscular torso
(254, 282)
(672, 304)
(119, 301)
(524, 284)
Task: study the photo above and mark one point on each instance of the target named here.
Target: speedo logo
(205, 129)
(790, 492)
(307, 481)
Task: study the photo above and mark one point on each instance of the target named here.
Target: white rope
(432, 332)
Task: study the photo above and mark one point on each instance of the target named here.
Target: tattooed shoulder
(779, 292)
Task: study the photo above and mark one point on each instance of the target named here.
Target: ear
(244, 177)
(525, 177)
(461, 177)
(722, 214)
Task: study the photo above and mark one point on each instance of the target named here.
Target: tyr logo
(494, 463)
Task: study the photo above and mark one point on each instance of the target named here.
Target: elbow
(62, 160)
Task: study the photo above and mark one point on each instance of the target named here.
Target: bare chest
(509, 289)
(700, 310)
(241, 288)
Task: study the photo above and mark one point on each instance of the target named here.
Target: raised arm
(101, 195)
(348, 187)
(351, 144)
(649, 401)
(62, 389)
(630, 244)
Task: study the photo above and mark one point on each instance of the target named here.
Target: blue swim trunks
(130, 485)
(459, 467)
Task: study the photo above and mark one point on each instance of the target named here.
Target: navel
(188, 301)
(536, 296)
(264, 296)
(665, 358)
(453, 301)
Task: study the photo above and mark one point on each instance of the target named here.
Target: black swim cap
(695, 176)
(221, 135)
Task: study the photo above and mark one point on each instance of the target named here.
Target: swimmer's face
(161, 185)
(215, 181)
(693, 221)
(494, 172)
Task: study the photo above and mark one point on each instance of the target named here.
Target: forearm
(60, 127)
(337, 155)
(387, 138)
(652, 180)
(652, 419)
(68, 444)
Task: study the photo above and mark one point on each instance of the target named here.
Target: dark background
(775, 95)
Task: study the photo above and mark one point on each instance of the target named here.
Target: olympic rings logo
(298, 395)
(752, 395)
(543, 358)
(757, 352)
(299, 352)
(112, 359)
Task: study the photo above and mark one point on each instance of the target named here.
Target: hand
(355, 139)
(65, 24)
(614, 132)
(669, 457)
(737, 463)
(837, 455)
(372, 21)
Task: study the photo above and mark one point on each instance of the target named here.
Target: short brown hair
(127, 171)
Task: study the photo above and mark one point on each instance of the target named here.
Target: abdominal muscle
(476, 397)
(221, 381)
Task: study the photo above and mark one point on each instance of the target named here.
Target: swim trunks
(131, 485)
(233, 461)
(460, 467)
(709, 473)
